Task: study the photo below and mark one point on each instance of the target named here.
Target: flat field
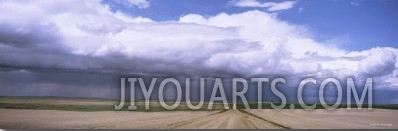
(66, 113)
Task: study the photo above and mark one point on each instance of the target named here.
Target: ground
(29, 116)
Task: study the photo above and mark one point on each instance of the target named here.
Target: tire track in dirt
(228, 119)
(251, 114)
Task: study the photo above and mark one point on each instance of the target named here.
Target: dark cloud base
(89, 85)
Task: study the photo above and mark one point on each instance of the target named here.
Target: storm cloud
(68, 45)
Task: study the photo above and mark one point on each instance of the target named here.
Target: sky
(342, 22)
(81, 48)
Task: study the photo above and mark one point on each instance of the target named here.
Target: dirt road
(51, 119)
(332, 119)
(230, 119)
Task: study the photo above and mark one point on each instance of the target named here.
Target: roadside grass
(318, 106)
(4, 104)
(92, 107)
(155, 108)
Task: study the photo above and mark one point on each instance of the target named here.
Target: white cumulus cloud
(271, 6)
(142, 4)
(90, 37)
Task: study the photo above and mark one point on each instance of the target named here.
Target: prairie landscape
(73, 113)
(65, 64)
